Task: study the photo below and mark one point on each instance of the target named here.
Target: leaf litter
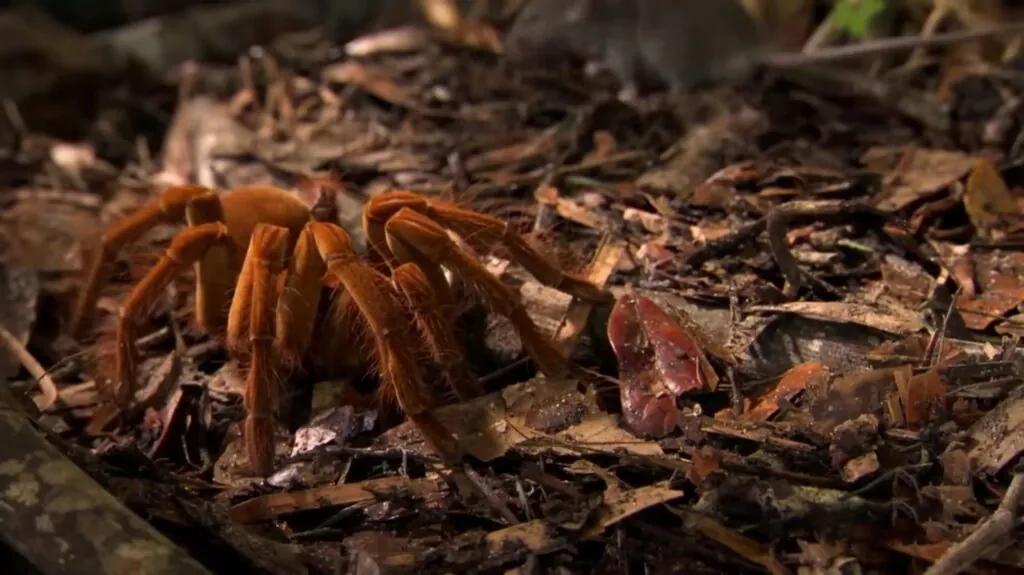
(812, 365)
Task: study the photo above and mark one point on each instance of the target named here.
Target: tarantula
(263, 260)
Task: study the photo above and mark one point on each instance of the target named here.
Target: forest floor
(701, 429)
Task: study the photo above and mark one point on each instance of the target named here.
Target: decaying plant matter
(263, 259)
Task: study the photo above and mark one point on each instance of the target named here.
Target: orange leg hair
(327, 247)
(381, 307)
(219, 234)
(187, 248)
(240, 210)
(264, 262)
(167, 207)
(436, 330)
(414, 237)
(484, 233)
(261, 267)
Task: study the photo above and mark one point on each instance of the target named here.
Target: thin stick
(49, 394)
(960, 556)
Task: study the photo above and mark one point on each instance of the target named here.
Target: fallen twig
(989, 531)
(48, 397)
(778, 221)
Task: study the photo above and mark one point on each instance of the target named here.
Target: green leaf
(856, 16)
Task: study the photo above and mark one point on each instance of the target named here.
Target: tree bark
(63, 522)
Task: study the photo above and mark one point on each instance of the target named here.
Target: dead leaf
(355, 73)
(923, 397)
(986, 198)
(603, 434)
(622, 503)
(896, 321)
(998, 437)
(533, 535)
(1003, 291)
(605, 147)
(402, 39)
(860, 467)
(277, 504)
(792, 383)
(920, 174)
(849, 396)
(658, 361)
(706, 461)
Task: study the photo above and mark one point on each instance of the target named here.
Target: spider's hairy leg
(414, 236)
(300, 299)
(338, 348)
(378, 211)
(484, 233)
(436, 330)
(381, 307)
(188, 247)
(168, 207)
(216, 271)
(264, 261)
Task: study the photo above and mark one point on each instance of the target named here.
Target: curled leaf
(658, 361)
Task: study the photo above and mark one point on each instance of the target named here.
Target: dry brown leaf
(533, 535)
(1013, 326)
(659, 360)
(1003, 293)
(849, 396)
(860, 467)
(740, 544)
(509, 156)
(622, 503)
(443, 14)
(355, 73)
(602, 433)
(998, 437)
(276, 504)
(986, 198)
(792, 383)
(896, 321)
(403, 39)
(570, 209)
(604, 147)
(923, 397)
(706, 461)
(919, 174)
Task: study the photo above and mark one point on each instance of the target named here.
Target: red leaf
(658, 361)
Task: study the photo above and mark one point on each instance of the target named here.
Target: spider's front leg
(276, 346)
(168, 207)
(414, 237)
(436, 329)
(251, 331)
(482, 232)
(380, 305)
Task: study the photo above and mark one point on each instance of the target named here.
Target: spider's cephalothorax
(262, 262)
